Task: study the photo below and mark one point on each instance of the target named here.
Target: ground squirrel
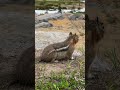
(60, 51)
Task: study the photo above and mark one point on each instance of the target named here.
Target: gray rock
(49, 17)
(40, 21)
(44, 20)
(43, 25)
(77, 17)
(82, 17)
(42, 39)
(77, 54)
(73, 17)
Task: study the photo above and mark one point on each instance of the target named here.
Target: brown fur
(54, 52)
(94, 33)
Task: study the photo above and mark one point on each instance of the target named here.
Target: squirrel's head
(73, 38)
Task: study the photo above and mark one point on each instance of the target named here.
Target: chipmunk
(60, 51)
(94, 33)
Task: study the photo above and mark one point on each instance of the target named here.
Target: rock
(75, 17)
(77, 54)
(40, 21)
(47, 17)
(42, 39)
(82, 17)
(43, 25)
(44, 20)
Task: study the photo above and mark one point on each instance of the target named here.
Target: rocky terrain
(61, 26)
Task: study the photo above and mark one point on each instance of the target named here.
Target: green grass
(72, 78)
(48, 4)
(61, 82)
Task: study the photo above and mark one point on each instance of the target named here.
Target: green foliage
(66, 80)
(61, 82)
(53, 3)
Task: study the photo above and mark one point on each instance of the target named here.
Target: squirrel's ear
(70, 33)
